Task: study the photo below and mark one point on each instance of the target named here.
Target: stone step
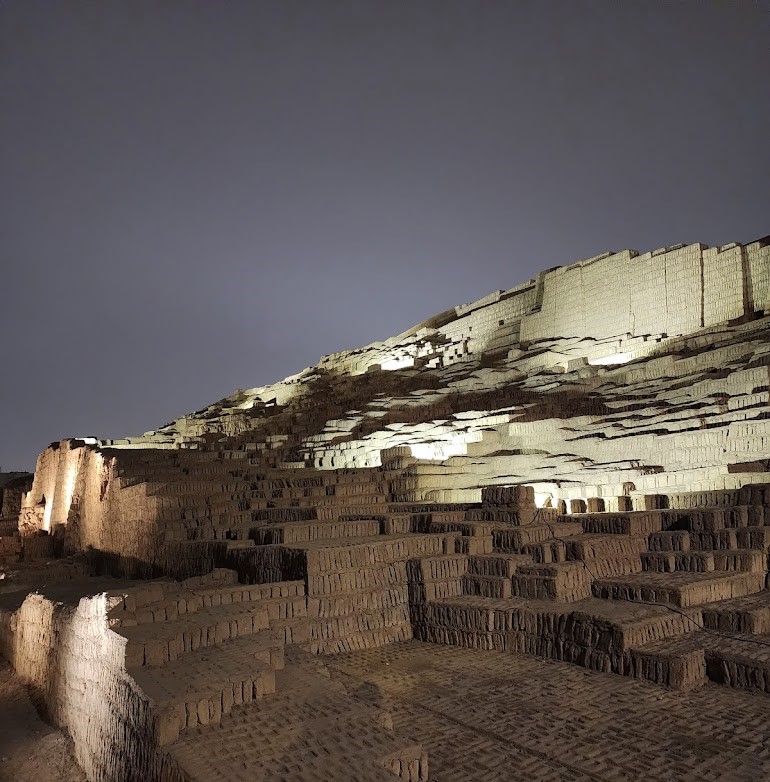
(397, 524)
(514, 539)
(669, 541)
(565, 581)
(748, 615)
(519, 517)
(363, 578)
(679, 589)
(754, 538)
(199, 688)
(719, 540)
(487, 586)
(438, 568)
(168, 601)
(292, 631)
(474, 545)
(675, 561)
(158, 643)
(609, 567)
(338, 555)
(547, 552)
(439, 523)
(499, 564)
(678, 663)
(423, 592)
(588, 546)
(362, 601)
(297, 532)
(333, 486)
(741, 661)
(350, 509)
(707, 519)
(633, 523)
(340, 627)
(597, 634)
(238, 543)
(363, 639)
(741, 560)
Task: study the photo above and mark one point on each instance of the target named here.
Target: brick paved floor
(493, 716)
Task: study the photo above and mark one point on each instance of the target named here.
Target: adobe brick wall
(85, 497)
(75, 667)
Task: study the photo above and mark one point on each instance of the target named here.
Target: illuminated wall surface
(623, 399)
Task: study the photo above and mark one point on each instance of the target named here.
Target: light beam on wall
(614, 358)
(397, 363)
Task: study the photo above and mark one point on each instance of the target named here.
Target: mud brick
(680, 589)
(497, 564)
(474, 546)
(680, 665)
(719, 540)
(669, 561)
(753, 537)
(636, 523)
(519, 496)
(748, 615)
(669, 541)
(487, 586)
(547, 552)
(396, 524)
(566, 581)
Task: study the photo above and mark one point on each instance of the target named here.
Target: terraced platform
(575, 470)
(240, 675)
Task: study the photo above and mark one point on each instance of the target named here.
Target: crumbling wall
(78, 491)
(75, 667)
(490, 326)
(47, 504)
(13, 488)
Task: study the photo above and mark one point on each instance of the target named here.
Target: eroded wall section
(79, 495)
(76, 668)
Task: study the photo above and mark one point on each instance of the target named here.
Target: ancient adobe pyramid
(577, 468)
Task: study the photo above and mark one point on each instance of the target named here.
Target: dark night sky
(201, 196)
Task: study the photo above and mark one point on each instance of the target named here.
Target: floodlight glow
(613, 359)
(397, 363)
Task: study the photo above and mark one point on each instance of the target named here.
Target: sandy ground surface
(30, 749)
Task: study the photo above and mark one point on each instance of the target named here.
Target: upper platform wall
(614, 297)
(670, 291)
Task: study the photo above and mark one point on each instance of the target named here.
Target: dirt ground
(30, 749)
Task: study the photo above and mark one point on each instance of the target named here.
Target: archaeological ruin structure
(575, 469)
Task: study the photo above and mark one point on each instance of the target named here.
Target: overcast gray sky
(201, 196)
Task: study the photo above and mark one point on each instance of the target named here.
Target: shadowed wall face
(203, 198)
